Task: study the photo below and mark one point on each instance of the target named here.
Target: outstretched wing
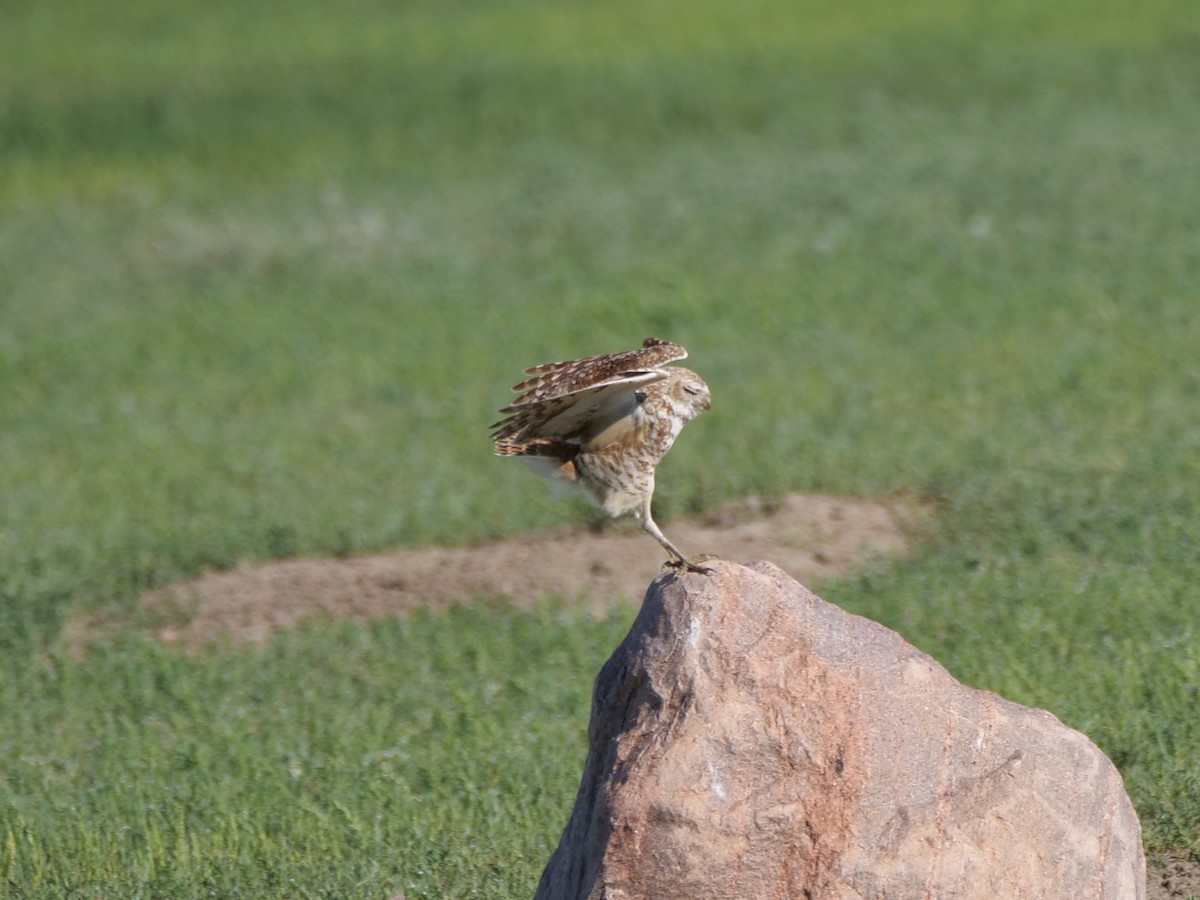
(580, 415)
(584, 399)
(559, 378)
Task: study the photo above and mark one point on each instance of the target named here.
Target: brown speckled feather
(579, 398)
(560, 378)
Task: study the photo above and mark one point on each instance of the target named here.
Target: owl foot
(675, 564)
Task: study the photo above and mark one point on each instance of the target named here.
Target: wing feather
(579, 415)
(552, 379)
(583, 400)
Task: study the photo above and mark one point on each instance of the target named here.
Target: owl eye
(691, 389)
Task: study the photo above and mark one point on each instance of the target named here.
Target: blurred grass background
(267, 270)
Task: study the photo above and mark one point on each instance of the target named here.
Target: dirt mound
(810, 537)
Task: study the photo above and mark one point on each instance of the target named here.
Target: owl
(603, 423)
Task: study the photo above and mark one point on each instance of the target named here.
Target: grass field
(267, 271)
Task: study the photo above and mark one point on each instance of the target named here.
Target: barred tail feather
(548, 457)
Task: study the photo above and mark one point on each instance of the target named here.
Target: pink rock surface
(749, 740)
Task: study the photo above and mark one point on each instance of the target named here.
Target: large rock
(751, 741)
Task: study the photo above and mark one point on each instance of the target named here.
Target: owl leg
(677, 560)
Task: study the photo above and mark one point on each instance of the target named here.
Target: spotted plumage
(603, 423)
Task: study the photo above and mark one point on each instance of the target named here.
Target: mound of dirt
(810, 537)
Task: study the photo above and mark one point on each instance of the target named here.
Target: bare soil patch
(1175, 878)
(811, 537)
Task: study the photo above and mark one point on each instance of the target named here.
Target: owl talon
(691, 565)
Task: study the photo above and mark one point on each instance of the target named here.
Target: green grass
(400, 761)
(266, 273)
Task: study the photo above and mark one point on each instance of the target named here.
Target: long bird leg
(677, 560)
